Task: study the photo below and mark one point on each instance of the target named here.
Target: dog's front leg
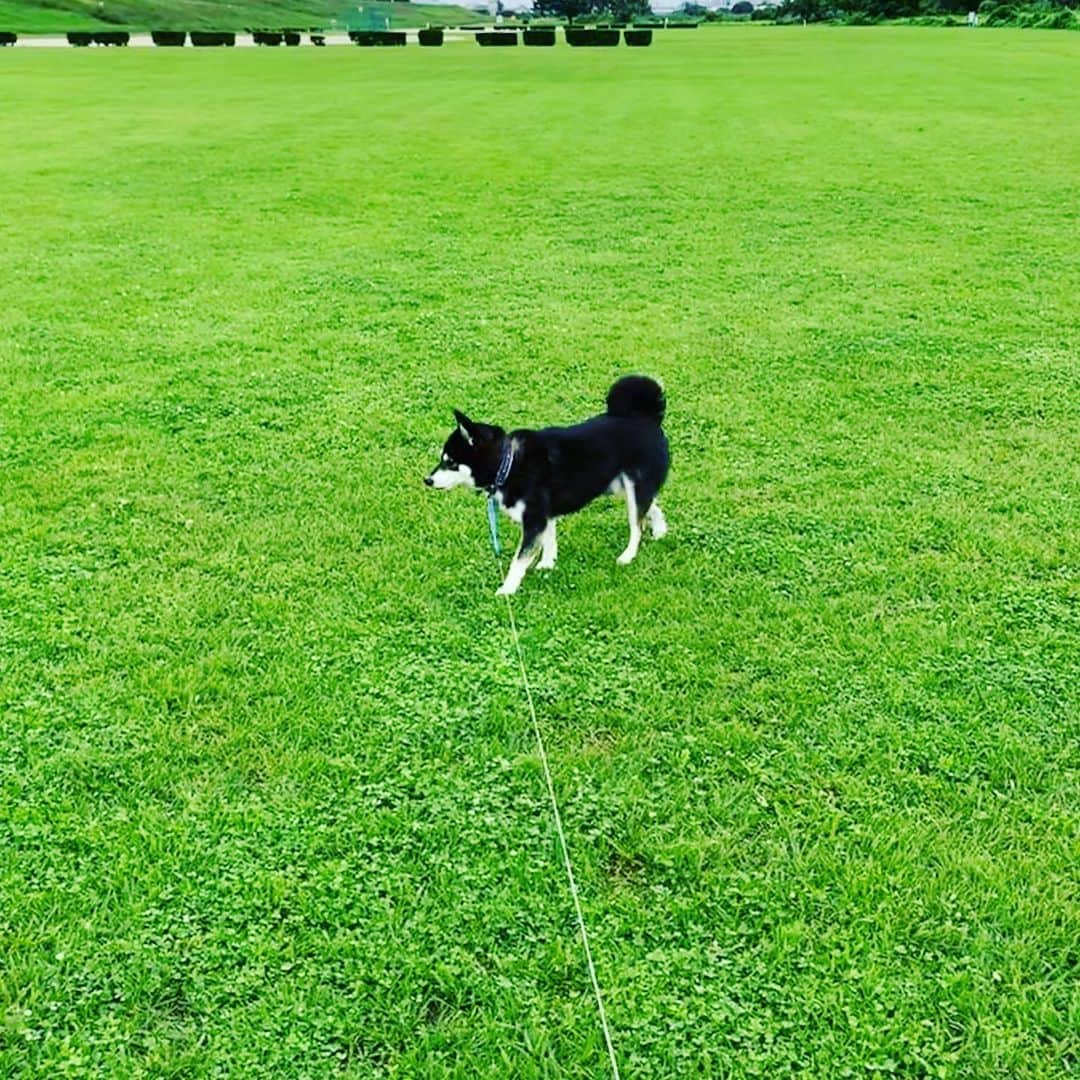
(531, 531)
(635, 523)
(549, 547)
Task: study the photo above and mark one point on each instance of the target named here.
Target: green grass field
(269, 800)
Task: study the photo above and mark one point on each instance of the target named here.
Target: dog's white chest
(516, 512)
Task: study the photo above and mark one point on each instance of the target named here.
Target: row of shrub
(159, 37)
(177, 38)
(276, 37)
(228, 38)
(98, 37)
(600, 21)
(577, 37)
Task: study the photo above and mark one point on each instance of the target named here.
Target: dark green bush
(578, 37)
(377, 37)
(212, 38)
(996, 14)
(1048, 17)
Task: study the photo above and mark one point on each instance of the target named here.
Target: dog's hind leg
(531, 531)
(549, 548)
(635, 522)
(655, 517)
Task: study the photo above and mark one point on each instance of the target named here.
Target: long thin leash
(493, 525)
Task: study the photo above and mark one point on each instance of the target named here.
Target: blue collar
(505, 464)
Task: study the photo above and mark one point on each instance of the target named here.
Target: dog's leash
(492, 524)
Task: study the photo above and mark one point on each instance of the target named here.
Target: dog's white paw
(546, 564)
(506, 590)
(657, 524)
(626, 558)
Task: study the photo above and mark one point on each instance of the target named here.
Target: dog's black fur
(558, 470)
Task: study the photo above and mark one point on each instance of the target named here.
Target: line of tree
(624, 11)
(1041, 14)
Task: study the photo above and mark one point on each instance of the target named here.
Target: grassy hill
(56, 16)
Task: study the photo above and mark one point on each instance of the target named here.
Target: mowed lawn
(270, 803)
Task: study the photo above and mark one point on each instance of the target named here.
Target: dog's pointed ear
(465, 426)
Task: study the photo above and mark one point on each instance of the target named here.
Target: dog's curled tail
(637, 396)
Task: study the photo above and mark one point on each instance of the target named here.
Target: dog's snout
(429, 481)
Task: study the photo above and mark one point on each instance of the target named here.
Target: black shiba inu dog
(538, 476)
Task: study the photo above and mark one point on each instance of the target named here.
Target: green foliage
(1044, 14)
(995, 13)
(805, 10)
(1056, 18)
(271, 804)
(622, 11)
